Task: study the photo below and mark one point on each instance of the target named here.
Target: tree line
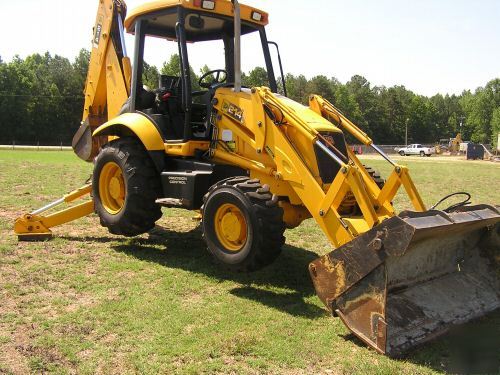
(41, 101)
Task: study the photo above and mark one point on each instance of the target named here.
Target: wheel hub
(115, 188)
(112, 188)
(231, 227)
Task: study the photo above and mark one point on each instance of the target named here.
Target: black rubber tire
(264, 218)
(402, 153)
(142, 188)
(422, 154)
(376, 176)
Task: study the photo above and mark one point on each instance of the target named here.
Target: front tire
(242, 224)
(375, 174)
(125, 186)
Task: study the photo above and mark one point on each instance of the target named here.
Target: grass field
(91, 302)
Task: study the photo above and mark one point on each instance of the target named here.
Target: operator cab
(180, 108)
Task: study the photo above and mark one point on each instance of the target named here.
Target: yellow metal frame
(283, 155)
(35, 226)
(133, 124)
(400, 175)
(222, 7)
(274, 139)
(187, 148)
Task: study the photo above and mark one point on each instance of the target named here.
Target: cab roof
(222, 8)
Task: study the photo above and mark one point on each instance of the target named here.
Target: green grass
(89, 302)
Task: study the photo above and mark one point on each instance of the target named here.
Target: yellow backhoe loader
(255, 162)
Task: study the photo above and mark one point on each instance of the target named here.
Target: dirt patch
(20, 355)
(11, 215)
(43, 359)
(432, 159)
(32, 289)
(10, 354)
(192, 299)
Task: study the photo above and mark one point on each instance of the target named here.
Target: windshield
(208, 42)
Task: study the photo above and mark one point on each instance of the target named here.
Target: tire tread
(270, 219)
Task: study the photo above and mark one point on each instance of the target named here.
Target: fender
(139, 126)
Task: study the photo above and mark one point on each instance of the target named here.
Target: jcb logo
(233, 111)
(97, 35)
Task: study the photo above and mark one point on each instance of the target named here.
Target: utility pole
(462, 118)
(406, 131)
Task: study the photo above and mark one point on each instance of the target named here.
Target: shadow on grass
(187, 251)
(291, 303)
(471, 348)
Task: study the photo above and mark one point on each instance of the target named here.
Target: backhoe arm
(108, 79)
(106, 90)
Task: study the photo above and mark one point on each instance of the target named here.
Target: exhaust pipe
(237, 46)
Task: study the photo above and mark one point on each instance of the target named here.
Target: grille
(328, 168)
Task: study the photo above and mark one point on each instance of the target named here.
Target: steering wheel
(216, 74)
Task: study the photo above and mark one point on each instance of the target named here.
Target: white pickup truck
(416, 149)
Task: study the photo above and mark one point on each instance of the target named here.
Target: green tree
(173, 68)
(297, 88)
(495, 126)
(256, 78)
(81, 64)
(479, 108)
(150, 76)
(396, 103)
(41, 100)
(346, 102)
(321, 85)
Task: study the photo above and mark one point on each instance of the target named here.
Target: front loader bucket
(413, 276)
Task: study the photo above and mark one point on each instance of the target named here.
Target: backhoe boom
(108, 79)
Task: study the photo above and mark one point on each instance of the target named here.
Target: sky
(429, 46)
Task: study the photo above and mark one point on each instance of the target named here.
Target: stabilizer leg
(36, 227)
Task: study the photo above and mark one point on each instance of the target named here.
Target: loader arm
(322, 202)
(324, 108)
(385, 269)
(383, 284)
(400, 175)
(108, 82)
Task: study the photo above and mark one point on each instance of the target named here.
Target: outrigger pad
(409, 279)
(34, 237)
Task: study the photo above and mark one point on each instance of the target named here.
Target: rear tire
(125, 186)
(402, 153)
(422, 154)
(242, 224)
